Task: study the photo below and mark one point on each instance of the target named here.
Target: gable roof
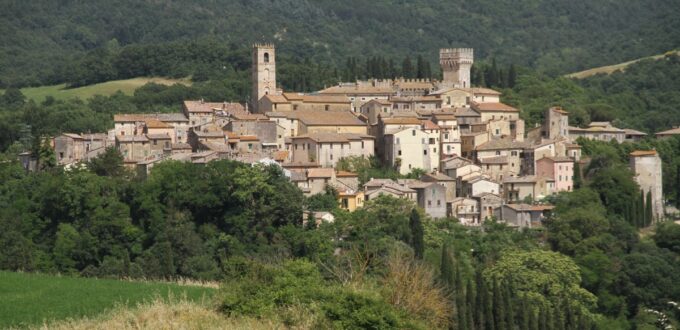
(401, 121)
(643, 153)
(327, 118)
(493, 107)
(672, 131)
(502, 144)
(320, 173)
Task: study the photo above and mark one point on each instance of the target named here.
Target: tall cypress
(523, 314)
(498, 306)
(533, 319)
(649, 209)
(407, 68)
(508, 295)
(677, 186)
(641, 210)
(470, 304)
(512, 76)
(578, 180)
(446, 265)
(480, 307)
(417, 234)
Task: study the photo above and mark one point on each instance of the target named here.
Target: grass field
(126, 86)
(31, 299)
(612, 68)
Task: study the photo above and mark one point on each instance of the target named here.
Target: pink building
(561, 169)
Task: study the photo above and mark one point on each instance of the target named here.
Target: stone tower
(556, 123)
(646, 166)
(264, 73)
(456, 64)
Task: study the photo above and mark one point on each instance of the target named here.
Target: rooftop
(493, 107)
(643, 153)
(327, 118)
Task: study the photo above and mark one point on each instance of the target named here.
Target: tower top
(461, 55)
(264, 45)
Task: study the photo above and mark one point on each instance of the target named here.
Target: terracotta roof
(276, 98)
(249, 116)
(327, 118)
(164, 117)
(401, 121)
(414, 84)
(600, 124)
(521, 179)
(155, 123)
(426, 98)
(493, 107)
(466, 112)
(428, 124)
(320, 173)
(673, 131)
(280, 155)
(201, 107)
(439, 176)
(293, 96)
(596, 129)
(345, 174)
(328, 137)
(643, 153)
(248, 138)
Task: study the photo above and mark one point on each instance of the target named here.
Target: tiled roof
(528, 207)
(428, 124)
(280, 155)
(72, 135)
(346, 174)
(643, 153)
(596, 129)
(327, 118)
(320, 173)
(485, 91)
(633, 132)
(293, 96)
(248, 138)
(559, 110)
(426, 98)
(558, 159)
(200, 106)
(319, 98)
(401, 121)
(493, 107)
(155, 123)
(158, 137)
(466, 112)
(439, 176)
(673, 131)
(276, 98)
(164, 117)
(521, 179)
(502, 144)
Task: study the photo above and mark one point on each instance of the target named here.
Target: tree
(407, 68)
(109, 163)
(46, 156)
(512, 76)
(542, 277)
(578, 180)
(417, 234)
(649, 209)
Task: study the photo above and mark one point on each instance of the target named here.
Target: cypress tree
(407, 68)
(523, 321)
(641, 210)
(533, 319)
(508, 305)
(512, 77)
(417, 234)
(546, 318)
(498, 306)
(557, 319)
(470, 304)
(446, 265)
(677, 186)
(492, 74)
(480, 307)
(649, 210)
(420, 67)
(578, 180)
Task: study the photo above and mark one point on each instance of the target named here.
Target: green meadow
(31, 299)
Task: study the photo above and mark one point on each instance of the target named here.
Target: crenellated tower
(264, 72)
(456, 64)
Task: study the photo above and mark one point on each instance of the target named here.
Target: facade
(326, 149)
(407, 149)
(560, 169)
(524, 215)
(431, 197)
(556, 123)
(646, 166)
(601, 131)
(527, 187)
(489, 203)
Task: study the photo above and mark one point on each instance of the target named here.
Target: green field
(126, 86)
(31, 299)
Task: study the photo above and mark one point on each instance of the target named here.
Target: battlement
(263, 45)
(465, 55)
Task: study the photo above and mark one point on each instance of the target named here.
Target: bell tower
(456, 64)
(264, 72)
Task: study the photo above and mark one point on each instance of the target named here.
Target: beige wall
(493, 115)
(304, 129)
(411, 147)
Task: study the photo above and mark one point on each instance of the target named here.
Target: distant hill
(41, 39)
(609, 69)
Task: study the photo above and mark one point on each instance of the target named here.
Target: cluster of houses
(478, 158)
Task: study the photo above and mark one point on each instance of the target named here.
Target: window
(331, 156)
(446, 136)
(425, 152)
(409, 166)
(295, 107)
(435, 150)
(448, 148)
(266, 57)
(362, 144)
(413, 132)
(429, 203)
(498, 153)
(327, 107)
(399, 152)
(431, 140)
(498, 131)
(155, 142)
(250, 146)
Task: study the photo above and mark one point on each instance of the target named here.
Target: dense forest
(42, 41)
(387, 265)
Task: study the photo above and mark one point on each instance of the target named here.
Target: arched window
(266, 57)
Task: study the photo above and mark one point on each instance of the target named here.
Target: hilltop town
(466, 154)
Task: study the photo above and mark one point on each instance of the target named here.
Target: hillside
(64, 297)
(42, 39)
(126, 86)
(609, 69)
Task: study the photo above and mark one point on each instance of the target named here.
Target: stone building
(456, 64)
(560, 169)
(646, 166)
(556, 123)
